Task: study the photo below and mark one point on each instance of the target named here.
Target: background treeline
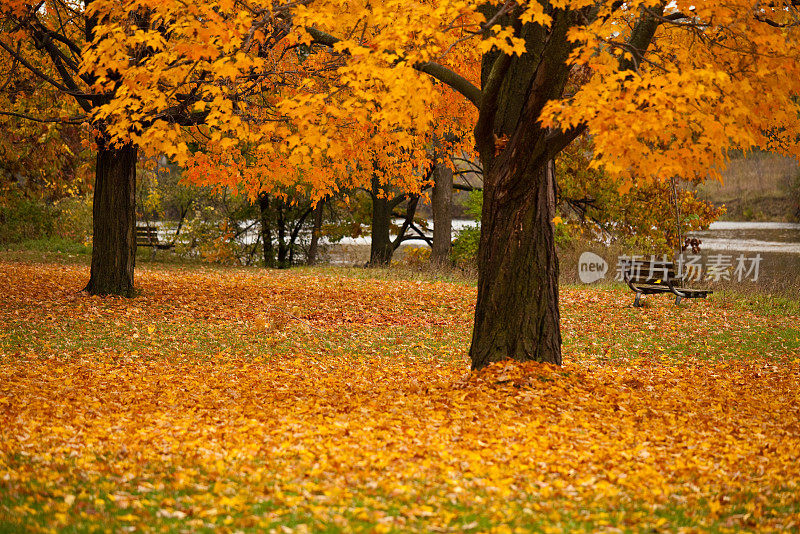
(46, 182)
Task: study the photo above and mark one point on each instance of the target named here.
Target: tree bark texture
(517, 313)
(114, 221)
(381, 248)
(266, 230)
(441, 202)
(316, 229)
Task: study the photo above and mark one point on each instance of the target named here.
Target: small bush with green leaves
(73, 220)
(465, 246)
(22, 219)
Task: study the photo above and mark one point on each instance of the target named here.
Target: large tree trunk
(266, 230)
(441, 202)
(517, 314)
(283, 249)
(114, 221)
(381, 249)
(316, 229)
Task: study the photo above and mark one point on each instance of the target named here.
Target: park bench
(650, 277)
(147, 236)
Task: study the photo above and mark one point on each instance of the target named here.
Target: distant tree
(386, 207)
(651, 214)
(282, 218)
(93, 54)
(46, 42)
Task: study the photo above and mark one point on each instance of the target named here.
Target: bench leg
(677, 300)
(636, 302)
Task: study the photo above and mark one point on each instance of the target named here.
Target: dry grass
(762, 186)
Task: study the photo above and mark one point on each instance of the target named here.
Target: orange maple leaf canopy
(323, 95)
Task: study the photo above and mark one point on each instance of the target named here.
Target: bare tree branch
(33, 69)
(73, 120)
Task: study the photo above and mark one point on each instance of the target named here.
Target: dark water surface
(776, 244)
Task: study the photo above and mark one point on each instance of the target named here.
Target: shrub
(211, 237)
(473, 206)
(73, 221)
(22, 219)
(564, 235)
(464, 251)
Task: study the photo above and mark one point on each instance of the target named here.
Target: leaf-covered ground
(327, 400)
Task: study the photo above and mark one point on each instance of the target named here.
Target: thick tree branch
(422, 234)
(74, 120)
(408, 221)
(34, 70)
(453, 80)
(641, 37)
(462, 187)
(557, 140)
(396, 201)
(75, 49)
(427, 239)
(491, 90)
(56, 57)
(475, 167)
(45, 37)
(488, 108)
(298, 225)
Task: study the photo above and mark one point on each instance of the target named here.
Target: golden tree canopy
(327, 92)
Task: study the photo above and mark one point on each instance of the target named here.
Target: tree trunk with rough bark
(114, 221)
(441, 202)
(313, 248)
(381, 248)
(266, 230)
(517, 313)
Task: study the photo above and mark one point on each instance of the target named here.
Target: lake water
(458, 224)
(775, 247)
(721, 236)
(751, 237)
